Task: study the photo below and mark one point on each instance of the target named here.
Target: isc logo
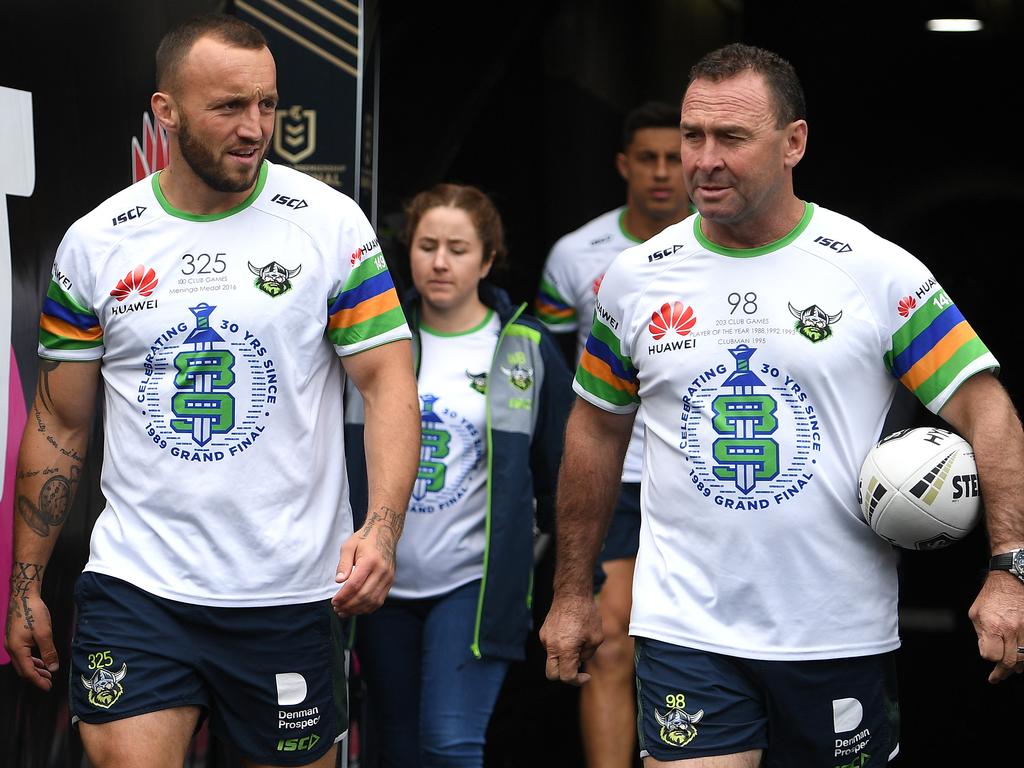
(304, 744)
(291, 202)
(131, 213)
(835, 245)
(659, 255)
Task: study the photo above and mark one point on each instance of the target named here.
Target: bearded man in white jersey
(224, 559)
(655, 197)
(764, 608)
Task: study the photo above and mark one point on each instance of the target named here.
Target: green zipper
(475, 647)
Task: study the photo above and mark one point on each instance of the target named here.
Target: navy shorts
(840, 713)
(623, 538)
(271, 679)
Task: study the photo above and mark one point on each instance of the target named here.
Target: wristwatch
(1012, 561)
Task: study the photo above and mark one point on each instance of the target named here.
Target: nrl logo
(814, 323)
(274, 279)
(105, 687)
(520, 376)
(478, 381)
(295, 133)
(677, 726)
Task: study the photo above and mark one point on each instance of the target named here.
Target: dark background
(914, 134)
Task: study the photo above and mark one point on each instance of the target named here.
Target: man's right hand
(28, 627)
(571, 634)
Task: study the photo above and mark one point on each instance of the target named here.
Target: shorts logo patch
(291, 689)
(846, 714)
(677, 725)
(105, 686)
(847, 717)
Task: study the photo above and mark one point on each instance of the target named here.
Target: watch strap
(1006, 561)
(1003, 562)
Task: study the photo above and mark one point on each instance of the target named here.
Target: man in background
(656, 197)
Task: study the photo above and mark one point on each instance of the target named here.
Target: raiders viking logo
(105, 686)
(274, 279)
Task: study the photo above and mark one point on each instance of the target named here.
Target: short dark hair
(651, 114)
(177, 43)
(477, 205)
(779, 74)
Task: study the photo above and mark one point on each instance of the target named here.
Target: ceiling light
(954, 25)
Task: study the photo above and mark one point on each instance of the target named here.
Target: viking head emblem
(478, 381)
(677, 727)
(275, 278)
(520, 376)
(105, 686)
(814, 322)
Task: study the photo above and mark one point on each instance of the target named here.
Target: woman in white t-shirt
(494, 395)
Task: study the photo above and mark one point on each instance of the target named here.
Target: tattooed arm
(49, 466)
(385, 379)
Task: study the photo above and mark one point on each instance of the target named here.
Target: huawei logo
(139, 280)
(906, 306)
(675, 317)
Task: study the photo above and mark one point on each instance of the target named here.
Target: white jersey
(763, 377)
(224, 458)
(565, 301)
(443, 542)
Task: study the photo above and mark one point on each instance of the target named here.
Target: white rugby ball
(918, 488)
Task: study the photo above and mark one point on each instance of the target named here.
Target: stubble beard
(205, 165)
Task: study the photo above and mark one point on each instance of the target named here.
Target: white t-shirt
(224, 457)
(565, 302)
(763, 377)
(442, 545)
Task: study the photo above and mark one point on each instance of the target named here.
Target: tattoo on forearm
(72, 454)
(54, 503)
(391, 524)
(25, 577)
(40, 426)
(43, 388)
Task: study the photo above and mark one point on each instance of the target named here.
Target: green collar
(260, 183)
(745, 253)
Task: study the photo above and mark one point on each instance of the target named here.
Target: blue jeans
(430, 699)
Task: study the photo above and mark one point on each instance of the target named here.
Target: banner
(319, 53)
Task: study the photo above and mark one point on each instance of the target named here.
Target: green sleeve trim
(374, 326)
(604, 391)
(50, 341)
(65, 299)
(932, 387)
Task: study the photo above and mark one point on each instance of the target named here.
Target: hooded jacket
(529, 394)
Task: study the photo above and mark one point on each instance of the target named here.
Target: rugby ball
(918, 488)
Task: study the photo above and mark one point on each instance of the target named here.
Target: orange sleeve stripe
(364, 310)
(66, 330)
(957, 336)
(599, 369)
